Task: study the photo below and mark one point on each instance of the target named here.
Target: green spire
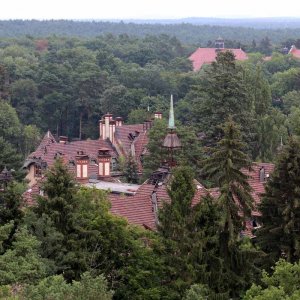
(171, 115)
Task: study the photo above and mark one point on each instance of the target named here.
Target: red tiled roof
(30, 195)
(139, 210)
(122, 135)
(140, 144)
(49, 148)
(136, 209)
(208, 55)
(295, 52)
(257, 186)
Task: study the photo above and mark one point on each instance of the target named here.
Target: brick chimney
(119, 121)
(63, 139)
(107, 127)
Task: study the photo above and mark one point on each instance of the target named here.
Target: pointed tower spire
(171, 141)
(171, 115)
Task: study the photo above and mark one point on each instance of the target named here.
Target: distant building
(294, 52)
(204, 56)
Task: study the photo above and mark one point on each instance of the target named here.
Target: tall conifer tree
(225, 166)
(223, 91)
(280, 207)
(235, 202)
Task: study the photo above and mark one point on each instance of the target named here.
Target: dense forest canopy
(199, 34)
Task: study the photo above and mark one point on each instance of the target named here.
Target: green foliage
(286, 81)
(138, 116)
(22, 263)
(293, 121)
(5, 231)
(78, 234)
(291, 99)
(55, 287)
(283, 283)
(225, 166)
(223, 91)
(8, 156)
(189, 154)
(31, 139)
(190, 239)
(271, 129)
(197, 292)
(10, 127)
(280, 208)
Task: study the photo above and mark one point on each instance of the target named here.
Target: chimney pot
(63, 139)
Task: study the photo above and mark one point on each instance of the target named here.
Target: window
(37, 171)
(81, 170)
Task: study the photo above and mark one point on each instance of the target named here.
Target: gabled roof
(123, 138)
(140, 208)
(140, 146)
(137, 209)
(295, 52)
(49, 150)
(258, 186)
(208, 55)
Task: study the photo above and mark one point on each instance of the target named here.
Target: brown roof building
(91, 159)
(295, 52)
(204, 56)
(91, 162)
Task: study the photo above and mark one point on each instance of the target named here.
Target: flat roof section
(114, 187)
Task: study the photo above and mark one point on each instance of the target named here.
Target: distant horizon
(145, 9)
(158, 19)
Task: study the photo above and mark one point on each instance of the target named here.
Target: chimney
(112, 129)
(119, 121)
(262, 174)
(101, 129)
(147, 125)
(107, 119)
(63, 139)
(158, 115)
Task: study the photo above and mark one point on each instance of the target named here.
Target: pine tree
(223, 91)
(235, 202)
(59, 201)
(11, 209)
(280, 207)
(53, 222)
(225, 166)
(190, 238)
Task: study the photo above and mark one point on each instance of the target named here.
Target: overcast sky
(145, 9)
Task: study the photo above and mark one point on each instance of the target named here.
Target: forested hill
(185, 32)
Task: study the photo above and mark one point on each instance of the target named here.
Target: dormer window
(37, 170)
(82, 162)
(104, 162)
